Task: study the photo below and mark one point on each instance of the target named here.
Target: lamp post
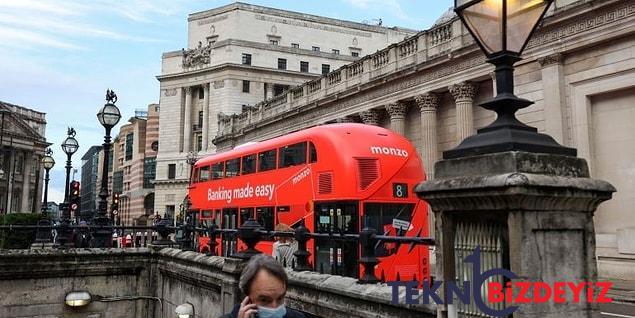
(48, 162)
(69, 146)
(502, 29)
(43, 235)
(108, 117)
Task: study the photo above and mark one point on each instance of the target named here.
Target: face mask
(266, 312)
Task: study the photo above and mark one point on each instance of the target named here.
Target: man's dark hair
(255, 264)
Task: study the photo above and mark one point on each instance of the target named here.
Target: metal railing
(250, 233)
(491, 239)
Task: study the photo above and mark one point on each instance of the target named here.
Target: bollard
(164, 233)
(302, 236)
(249, 233)
(367, 238)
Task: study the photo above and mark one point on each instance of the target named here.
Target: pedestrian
(264, 281)
(284, 247)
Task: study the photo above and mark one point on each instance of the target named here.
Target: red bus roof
(347, 139)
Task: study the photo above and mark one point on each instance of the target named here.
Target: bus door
(336, 257)
(229, 240)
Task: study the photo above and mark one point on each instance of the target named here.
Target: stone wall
(150, 283)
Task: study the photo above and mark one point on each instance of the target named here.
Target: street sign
(114, 212)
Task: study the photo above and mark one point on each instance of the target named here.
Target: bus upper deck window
(217, 170)
(312, 153)
(203, 174)
(267, 160)
(249, 164)
(292, 155)
(232, 167)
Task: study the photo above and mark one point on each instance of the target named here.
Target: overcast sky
(60, 56)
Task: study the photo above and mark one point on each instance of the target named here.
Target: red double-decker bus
(336, 177)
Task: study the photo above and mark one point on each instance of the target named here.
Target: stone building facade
(22, 147)
(237, 56)
(579, 69)
(134, 153)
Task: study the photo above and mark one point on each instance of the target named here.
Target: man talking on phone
(264, 281)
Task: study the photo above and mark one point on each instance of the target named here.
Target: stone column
(187, 120)
(428, 104)
(205, 130)
(370, 117)
(463, 94)
(26, 182)
(534, 211)
(397, 112)
(553, 87)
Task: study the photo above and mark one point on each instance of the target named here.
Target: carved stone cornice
(551, 59)
(396, 110)
(463, 91)
(427, 102)
(188, 90)
(370, 117)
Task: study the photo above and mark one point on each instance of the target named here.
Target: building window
(245, 86)
(200, 119)
(273, 42)
(149, 172)
(199, 142)
(172, 171)
(355, 54)
(304, 66)
(325, 69)
(295, 45)
(117, 181)
(282, 64)
(336, 52)
(201, 94)
(129, 140)
(246, 59)
(316, 48)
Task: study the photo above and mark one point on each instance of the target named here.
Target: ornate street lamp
(69, 146)
(502, 29)
(43, 234)
(108, 117)
(47, 162)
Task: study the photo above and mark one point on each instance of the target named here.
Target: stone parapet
(152, 282)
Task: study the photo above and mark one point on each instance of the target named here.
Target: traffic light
(114, 208)
(75, 198)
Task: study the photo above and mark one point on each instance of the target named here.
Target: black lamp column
(48, 162)
(69, 146)
(108, 116)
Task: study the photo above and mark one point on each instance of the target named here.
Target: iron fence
(63, 236)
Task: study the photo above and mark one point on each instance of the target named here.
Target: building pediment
(15, 126)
